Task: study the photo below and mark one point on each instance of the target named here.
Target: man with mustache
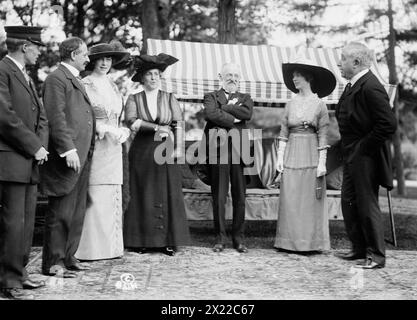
(71, 145)
(23, 143)
(226, 112)
(366, 124)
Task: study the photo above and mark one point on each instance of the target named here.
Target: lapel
(221, 97)
(74, 81)
(146, 108)
(38, 100)
(358, 84)
(18, 74)
(355, 88)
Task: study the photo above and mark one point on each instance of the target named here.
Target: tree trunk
(393, 79)
(79, 20)
(227, 21)
(66, 17)
(154, 20)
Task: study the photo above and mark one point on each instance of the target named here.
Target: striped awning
(197, 71)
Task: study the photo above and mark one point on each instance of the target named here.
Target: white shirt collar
(357, 76)
(72, 69)
(17, 63)
(151, 92)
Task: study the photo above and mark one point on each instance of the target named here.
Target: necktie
(80, 80)
(347, 89)
(25, 74)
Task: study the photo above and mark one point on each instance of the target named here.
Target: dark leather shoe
(78, 267)
(59, 271)
(16, 294)
(168, 251)
(351, 255)
(218, 247)
(370, 264)
(32, 284)
(241, 248)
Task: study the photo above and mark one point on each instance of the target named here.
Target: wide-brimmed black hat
(32, 34)
(324, 79)
(147, 62)
(101, 50)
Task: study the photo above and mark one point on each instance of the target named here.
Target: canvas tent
(196, 72)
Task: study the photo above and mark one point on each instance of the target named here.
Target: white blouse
(152, 101)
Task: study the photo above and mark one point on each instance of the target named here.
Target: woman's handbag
(320, 181)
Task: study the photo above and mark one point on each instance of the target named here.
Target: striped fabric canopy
(197, 71)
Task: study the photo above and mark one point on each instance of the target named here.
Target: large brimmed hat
(101, 50)
(324, 79)
(147, 62)
(31, 34)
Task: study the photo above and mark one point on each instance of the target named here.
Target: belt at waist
(302, 129)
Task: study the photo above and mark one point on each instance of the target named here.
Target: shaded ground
(198, 273)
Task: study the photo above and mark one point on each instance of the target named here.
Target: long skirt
(155, 216)
(102, 236)
(302, 218)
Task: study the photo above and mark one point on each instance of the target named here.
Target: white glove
(281, 150)
(124, 134)
(136, 125)
(120, 135)
(101, 130)
(321, 167)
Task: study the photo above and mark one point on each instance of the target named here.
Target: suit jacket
(72, 126)
(373, 122)
(220, 115)
(23, 126)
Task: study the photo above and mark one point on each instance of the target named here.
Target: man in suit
(23, 144)
(71, 144)
(226, 112)
(366, 123)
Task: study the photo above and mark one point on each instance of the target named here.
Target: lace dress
(302, 223)
(102, 235)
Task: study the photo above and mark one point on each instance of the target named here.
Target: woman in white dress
(303, 218)
(102, 235)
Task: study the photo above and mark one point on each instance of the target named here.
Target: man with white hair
(226, 111)
(366, 123)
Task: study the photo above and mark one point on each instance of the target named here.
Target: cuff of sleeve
(323, 147)
(283, 139)
(63, 155)
(136, 125)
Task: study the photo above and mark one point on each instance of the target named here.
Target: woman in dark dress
(155, 218)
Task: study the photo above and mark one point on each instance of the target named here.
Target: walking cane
(391, 216)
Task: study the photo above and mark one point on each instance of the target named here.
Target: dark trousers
(221, 174)
(63, 224)
(17, 222)
(360, 208)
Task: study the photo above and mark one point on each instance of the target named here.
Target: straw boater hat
(147, 62)
(32, 34)
(324, 80)
(101, 50)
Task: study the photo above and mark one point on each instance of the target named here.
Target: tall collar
(17, 63)
(72, 69)
(155, 91)
(357, 76)
(227, 92)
